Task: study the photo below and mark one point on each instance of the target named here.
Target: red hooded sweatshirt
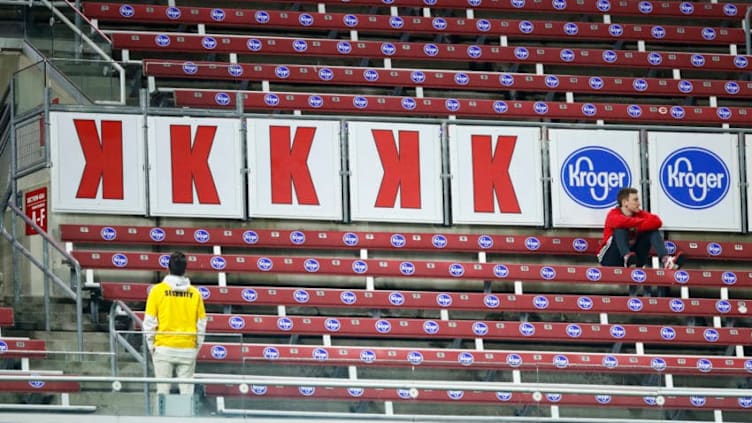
(638, 222)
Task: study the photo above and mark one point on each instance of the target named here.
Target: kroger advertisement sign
(587, 170)
(695, 180)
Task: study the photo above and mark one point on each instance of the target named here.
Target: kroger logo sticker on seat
(695, 178)
(592, 175)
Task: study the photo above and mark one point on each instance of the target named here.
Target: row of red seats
(374, 23)
(655, 9)
(375, 105)
(444, 79)
(406, 268)
(142, 41)
(539, 332)
(480, 397)
(488, 359)
(356, 240)
(451, 301)
(24, 348)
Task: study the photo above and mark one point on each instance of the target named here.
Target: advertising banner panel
(195, 167)
(694, 180)
(98, 163)
(496, 175)
(588, 167)
(294, 169)
(395, 172)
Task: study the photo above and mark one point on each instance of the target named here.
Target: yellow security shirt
(177, 313)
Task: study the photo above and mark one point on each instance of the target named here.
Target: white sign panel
(97, 163)
(196, 167)
(496, 175)
(395, 172)
(294, 169)
(588, 168)
(694, 180)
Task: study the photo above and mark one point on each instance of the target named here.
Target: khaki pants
(165, 364)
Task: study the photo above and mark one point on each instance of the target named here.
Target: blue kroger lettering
(271, 353)
(465, 358)
(491, 301)
(108, 233)
(249, 295)
(561, 361)
(514, 360)
(396, 298)
(695, 178)
(455, 395)
(415, 358)
(592, 175)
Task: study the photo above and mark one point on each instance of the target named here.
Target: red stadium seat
(477, 397)
(488, 359)
(541, 332)
(374, 23)
(451, 301)
(22, 348)
(41, 385)
(313, 47)
(433, 269)
(445, 79)
(6, 316)
(463, 107)
(654, 9)
(356, 240)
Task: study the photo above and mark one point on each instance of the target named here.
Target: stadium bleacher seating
(343, 355)
(280, 264)
(374, 23)
(82, 234)
(450, 301)
(447, 79)
(314, 47)
(572, 400)
(660, 9)
(666, 62)
(114, 251)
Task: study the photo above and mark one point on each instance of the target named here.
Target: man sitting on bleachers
(629, 232)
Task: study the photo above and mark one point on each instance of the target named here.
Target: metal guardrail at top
(91, 44)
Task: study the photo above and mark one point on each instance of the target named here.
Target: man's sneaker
(630, 260)
(674, 262)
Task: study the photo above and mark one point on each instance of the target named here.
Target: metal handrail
(69, 259)
(90, 43)
(117, 339)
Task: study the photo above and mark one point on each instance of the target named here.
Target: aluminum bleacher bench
(450, 301)
(78, 234)
(174, 42)
(391, 24)
(445, 79)
(433, 269)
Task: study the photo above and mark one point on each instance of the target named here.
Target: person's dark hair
(177, 264)
(623, 194)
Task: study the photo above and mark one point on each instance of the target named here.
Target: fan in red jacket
(630, 232)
